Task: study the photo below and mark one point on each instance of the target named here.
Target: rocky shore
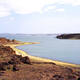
(16, 67)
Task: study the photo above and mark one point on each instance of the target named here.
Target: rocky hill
(8, 58)
(7, 41)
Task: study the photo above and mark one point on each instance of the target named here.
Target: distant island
(69, 36)
(16, 64)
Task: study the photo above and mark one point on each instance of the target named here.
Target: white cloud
(12, 18)
(31, 6)
(50, 8)
(4, 11)
(60, 10)
(71, 2)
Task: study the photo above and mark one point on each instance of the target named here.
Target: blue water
(49, 47)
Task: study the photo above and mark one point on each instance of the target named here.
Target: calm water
(50, 47)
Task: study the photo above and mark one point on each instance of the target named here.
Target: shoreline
(38, 59)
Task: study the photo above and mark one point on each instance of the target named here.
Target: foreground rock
(40, 72)
(9, 60)
(68, 36)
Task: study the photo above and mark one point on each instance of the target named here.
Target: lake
(50, 47)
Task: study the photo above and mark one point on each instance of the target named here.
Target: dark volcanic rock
(17, 59)
(6, 49)
(4, 66)
(9, 60)
(58, 77)
(68, 36)
(15, 68)
(25, 60)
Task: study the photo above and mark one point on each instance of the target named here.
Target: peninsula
(69, 36)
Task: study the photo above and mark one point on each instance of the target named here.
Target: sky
(39, 16)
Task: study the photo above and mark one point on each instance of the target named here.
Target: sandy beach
(37, 59)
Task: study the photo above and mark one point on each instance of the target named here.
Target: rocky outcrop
(68, 36)
(6, 50)
(7, 41)
(9, 60)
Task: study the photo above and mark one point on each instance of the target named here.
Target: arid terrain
(16, 67)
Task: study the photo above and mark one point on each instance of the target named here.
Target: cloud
(31, 6)
(12, 18)
(4, 11)
(71, 2)
(60, 10)
(50, 8)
